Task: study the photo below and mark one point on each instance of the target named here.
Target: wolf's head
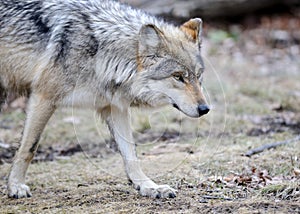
(170, 67)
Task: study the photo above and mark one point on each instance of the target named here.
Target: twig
(211, 197)
(271, 146)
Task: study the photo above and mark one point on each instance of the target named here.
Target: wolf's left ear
(193, 28)
(150, 40)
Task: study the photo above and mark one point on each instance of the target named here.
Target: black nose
(203, 109)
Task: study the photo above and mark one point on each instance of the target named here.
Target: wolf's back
(36, 19)
(66, 25)
(71, 38)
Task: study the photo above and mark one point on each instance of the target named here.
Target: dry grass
(194, 156)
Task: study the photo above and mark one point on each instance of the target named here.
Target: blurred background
(251, 51)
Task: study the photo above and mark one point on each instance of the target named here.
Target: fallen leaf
(297, 172)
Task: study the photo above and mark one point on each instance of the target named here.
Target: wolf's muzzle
(203, 109)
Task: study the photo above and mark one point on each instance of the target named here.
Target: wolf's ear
(193, 28)
(150, 40)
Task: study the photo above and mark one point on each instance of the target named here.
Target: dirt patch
(252, 83)
(55, 152)
(282, 122)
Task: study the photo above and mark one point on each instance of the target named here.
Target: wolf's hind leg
(119, 125)
(38, 113)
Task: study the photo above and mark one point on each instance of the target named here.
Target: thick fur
(98, 54)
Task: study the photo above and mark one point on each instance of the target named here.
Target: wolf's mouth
(202, 110)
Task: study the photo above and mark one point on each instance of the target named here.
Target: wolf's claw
(18, 191)
(161, 191)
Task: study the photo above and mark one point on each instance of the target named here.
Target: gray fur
(84, 41)
(75, 34)
(99, 54)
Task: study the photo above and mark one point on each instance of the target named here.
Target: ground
(252, 84)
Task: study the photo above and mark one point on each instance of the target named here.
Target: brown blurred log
(205, 8)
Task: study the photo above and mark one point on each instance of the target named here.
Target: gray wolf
(98, 54)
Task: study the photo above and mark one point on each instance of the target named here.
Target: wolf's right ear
(150, 40)
(193, 29)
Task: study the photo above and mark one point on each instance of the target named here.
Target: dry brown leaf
(230, 178)
(297, 172)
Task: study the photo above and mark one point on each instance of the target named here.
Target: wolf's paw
(18, 191)
(159, 191)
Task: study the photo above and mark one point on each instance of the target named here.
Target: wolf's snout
(203, 109)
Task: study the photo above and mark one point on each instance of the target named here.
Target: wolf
(98, 54)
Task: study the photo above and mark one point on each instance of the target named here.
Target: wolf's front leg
(38, 113)
(119, 125)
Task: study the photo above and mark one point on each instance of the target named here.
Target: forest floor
(252, 83)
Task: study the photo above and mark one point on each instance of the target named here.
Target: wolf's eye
(178, 77)
(199, 74)
(200, 79)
